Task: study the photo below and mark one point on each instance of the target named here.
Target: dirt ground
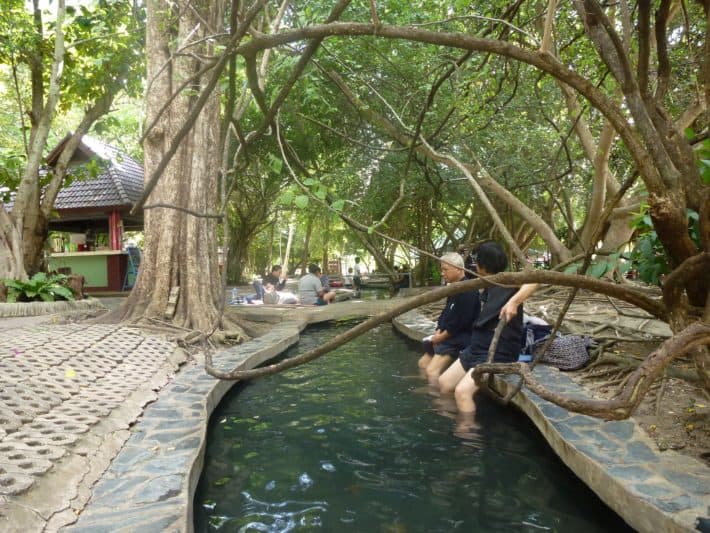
(676, 412)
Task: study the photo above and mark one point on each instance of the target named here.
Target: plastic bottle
(234, 294)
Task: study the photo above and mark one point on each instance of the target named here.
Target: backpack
(567, 352)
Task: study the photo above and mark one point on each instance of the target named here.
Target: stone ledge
(47, 308)
(651, 490)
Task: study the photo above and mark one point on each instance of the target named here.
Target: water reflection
(356, 442)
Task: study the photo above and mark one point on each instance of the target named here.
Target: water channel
(357, 442)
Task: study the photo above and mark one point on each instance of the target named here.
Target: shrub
(38, 288)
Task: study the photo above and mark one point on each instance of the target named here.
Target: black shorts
(470, 359)
(448, 347)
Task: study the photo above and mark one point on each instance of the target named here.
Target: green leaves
(702, 151)
(317, 189)
(275, 164)
(704, 165)
(301, 201)
(38, 287)
(286, 198)
(614, 264)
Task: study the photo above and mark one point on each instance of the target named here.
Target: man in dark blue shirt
(496, 302)
(453, 329)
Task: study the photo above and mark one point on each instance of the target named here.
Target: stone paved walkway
(65, 392)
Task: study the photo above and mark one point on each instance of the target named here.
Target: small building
(95, 212)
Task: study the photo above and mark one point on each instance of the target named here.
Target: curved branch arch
(541, 60)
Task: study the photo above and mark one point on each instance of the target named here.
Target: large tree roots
(633, 389)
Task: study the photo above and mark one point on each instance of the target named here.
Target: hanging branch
(348, 220)
(546, 44)
(632, 296)
(573, 294)
(492, 212)
(351, 139)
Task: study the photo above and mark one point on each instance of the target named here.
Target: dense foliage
(39, 287)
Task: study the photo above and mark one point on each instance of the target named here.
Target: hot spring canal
(356, 442)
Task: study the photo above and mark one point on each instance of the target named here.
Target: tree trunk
(306, 245)
(180, 248)
(289, 242)
(12, 265)
(270, 251)
(326, 237)
(26, 216)
(238, 254)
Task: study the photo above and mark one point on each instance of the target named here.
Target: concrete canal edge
(21, 309)
(150, 484)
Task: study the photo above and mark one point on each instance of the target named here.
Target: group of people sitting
(313, 288)
(467, 324)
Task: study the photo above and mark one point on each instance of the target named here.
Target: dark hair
(275, 268)
(313, 268)
(492, 257)
(357, 259)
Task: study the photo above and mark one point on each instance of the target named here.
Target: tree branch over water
(633, 296)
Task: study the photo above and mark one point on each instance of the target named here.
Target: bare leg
(466, 427)
(449, 379)
(424, 360)
(329, 297)
(438, 364)
(464, 392)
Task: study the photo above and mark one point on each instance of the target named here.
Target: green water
(356, 442)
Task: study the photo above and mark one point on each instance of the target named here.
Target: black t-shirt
(460, 312)
(511, 338)
(270, 278)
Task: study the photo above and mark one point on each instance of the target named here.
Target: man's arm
(439, 336)
(510, 309)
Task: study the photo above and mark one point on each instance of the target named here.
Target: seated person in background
(275, 278)
(396, 278)
(324, 279)
(274, 296)
(453, 329)
(406, 274)
(496, 302)
(310, 289)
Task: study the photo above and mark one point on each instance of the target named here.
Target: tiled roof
(119, 184)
